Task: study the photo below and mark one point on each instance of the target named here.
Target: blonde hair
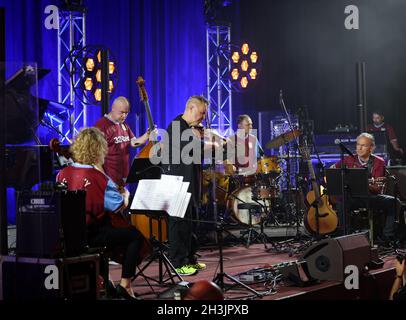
(243, 117)
(89, 147)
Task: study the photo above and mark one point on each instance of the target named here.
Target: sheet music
(168, 194)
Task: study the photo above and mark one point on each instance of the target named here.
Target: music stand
(352, 182)
(142, 168)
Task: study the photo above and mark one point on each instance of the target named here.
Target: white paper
(168, 194)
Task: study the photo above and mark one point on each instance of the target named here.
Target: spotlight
(244, 82)
(244, 65)
(88, 84)
(245, 48)
(89, 64)
(111, 86)
(111, 67)
(235, 57)
(98, 75)
(254, 57)
(253, 74)
(98, 94)
(235, 74)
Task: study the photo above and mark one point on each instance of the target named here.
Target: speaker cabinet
(51, 223)
(327, 259)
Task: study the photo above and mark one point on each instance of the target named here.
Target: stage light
(244, 65)
(235, 74)
(111, 86)
(253, 74)
(111, 67)
(245, 48)
(89, 64)
(235, 57)
(88, 84)
(99, 56)
(98, 94)
(244, 82)
(98, 75)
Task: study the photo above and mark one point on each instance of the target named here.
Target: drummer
(243, 149)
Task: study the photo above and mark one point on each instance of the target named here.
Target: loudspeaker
(51, 223)
(399, 172)
(24, 278)
(327, 259)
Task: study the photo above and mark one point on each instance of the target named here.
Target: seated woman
(104, 203)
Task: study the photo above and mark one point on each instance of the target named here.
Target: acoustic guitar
(320, 218)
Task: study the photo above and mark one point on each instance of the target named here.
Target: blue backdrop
(162, 40)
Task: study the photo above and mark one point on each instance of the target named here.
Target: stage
(375, 284)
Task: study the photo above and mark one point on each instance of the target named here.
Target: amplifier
(51, 223)
(25, 278)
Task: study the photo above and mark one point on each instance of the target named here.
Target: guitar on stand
(320, 219)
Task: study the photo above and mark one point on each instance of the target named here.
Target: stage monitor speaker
(51, 224)
(328, 258)
(399, 172)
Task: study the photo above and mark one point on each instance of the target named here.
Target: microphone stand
(296, 144)
(343, 190)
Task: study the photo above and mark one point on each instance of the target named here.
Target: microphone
(343, 147)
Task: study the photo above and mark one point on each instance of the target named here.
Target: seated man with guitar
(376, 171)
(104, 202)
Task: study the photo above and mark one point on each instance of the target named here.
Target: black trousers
(127, 241)
(182, 239)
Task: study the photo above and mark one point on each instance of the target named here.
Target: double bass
(140, 221)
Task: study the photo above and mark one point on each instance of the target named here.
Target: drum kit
(234, 192)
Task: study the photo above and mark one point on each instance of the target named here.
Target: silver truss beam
(71, 34)
(218, 82)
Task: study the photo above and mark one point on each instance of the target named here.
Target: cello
(140, 221)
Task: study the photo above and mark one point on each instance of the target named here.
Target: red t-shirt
(102, 194)
(385, 127)
(118, 136)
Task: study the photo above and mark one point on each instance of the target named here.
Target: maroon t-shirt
(377, 165)
(102, 194)
(118, 136)
(384, 128)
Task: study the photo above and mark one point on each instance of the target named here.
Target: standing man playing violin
(182, 134)
(119, 139)
(376, 171)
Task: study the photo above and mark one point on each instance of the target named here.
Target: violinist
(119, 139)
(186, 146)
(103, 202)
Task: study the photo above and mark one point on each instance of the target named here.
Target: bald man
(119, 139)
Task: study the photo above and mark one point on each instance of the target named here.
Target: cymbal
(282, 139)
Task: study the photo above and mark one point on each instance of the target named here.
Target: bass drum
(244, 195)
